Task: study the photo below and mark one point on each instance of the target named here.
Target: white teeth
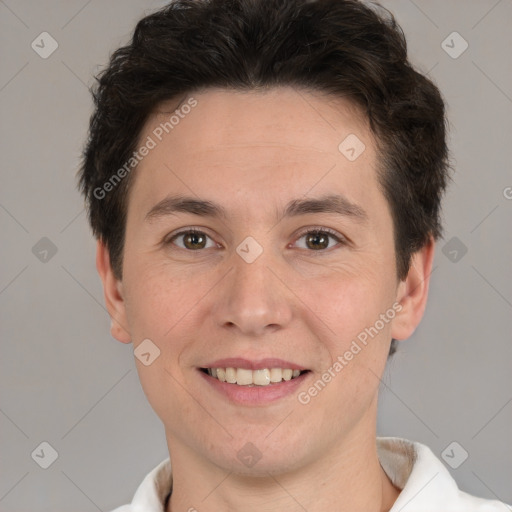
(231, 375)
(276, 375)
(259, 377)
(246, 377)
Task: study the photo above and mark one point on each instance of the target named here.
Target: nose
(253, 299)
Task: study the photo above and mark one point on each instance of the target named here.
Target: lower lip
(255, 395)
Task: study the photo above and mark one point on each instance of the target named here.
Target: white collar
(426, 484)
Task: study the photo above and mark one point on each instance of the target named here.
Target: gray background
(65, 381)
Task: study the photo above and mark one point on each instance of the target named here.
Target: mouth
(253, 378)
(249, 383)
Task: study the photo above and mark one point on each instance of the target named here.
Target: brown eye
(320, 239)
(317, 240)
(192, 239)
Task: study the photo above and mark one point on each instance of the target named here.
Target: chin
(259, 457)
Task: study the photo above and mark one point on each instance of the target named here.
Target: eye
(318, 239)
(193, 239)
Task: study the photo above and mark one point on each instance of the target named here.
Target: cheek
(155, 297)
(157, 305)
(358, 337)
(349, 300)
(357, 340)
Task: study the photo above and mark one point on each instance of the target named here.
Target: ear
(112, 289)
(412, 293)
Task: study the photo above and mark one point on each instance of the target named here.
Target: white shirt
(426, 485)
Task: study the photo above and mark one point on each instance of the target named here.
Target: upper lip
(259, 364)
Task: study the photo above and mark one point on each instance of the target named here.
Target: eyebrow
(333, 203)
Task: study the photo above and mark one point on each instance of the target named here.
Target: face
(262, 276)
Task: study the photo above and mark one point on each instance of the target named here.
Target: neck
(349, 475)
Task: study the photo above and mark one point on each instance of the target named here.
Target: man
(264, 179)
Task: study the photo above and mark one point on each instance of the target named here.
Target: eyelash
(315, 230)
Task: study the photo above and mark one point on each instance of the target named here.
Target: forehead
(228, 118)
(280, 142)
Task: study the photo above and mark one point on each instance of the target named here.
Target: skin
(252, 152)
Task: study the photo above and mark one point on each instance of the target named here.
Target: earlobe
(112, 289)
(412, 293)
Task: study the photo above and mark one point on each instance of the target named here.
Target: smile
(250, 378)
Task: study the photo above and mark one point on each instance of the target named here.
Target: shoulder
(426, 484)
(151, 494)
